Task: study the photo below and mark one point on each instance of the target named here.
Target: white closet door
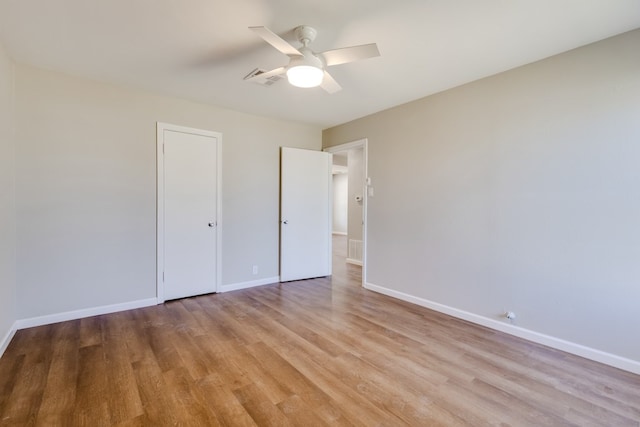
(305, 209)
(190, 206)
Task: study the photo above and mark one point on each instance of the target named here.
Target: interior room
(482, 201)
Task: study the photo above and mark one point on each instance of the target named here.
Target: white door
(305, 214)
(187, 211)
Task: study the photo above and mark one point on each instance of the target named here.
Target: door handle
(212, 224)
(285, 222)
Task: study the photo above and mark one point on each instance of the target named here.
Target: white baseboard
(250, 284)
(85, 312)
(354, 261)
(4, 343)
(550, 341)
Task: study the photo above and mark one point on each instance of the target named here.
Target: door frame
(160, 128)
(364, 144)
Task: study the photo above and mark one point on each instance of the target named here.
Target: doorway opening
(349, 182)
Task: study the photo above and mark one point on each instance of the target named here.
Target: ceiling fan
(306, 68)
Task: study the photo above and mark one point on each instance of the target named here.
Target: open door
(305, 214)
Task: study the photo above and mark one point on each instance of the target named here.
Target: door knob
(212, 224)
(285, 222)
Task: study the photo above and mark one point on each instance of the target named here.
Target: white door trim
(364, 144)
(160, 128)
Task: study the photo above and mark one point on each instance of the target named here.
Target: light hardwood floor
(310, 353)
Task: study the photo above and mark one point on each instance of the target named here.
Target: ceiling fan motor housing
(308, 58)
(305, 34)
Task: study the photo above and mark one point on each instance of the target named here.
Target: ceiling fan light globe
(305, 76)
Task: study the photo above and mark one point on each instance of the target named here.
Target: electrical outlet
(255, 270)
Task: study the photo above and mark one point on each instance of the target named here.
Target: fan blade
(275, 40)
(329, 84)
(350, 54)
(267, 74)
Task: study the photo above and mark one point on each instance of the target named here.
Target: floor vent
(355, 250)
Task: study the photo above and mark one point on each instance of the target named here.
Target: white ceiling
(202, 49)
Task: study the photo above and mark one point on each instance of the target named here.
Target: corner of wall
(8, 281)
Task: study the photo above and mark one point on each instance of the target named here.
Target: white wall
(340, 203)
(355, 162)
(7, 200)
(86, 190)
(520, 191)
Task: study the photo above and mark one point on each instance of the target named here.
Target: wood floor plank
(187, 401)
(10, 373)
(300, 414)
(23, 403)
(255, 370)
(59, 395)
(314, 352)
(153, 392)
(163, 344)
(260, 408)
(91, 331)
(221, 398)
(360, 411)
(123, 399)
(302, 392)
(91, 407)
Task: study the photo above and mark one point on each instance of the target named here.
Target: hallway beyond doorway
(341, 268)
